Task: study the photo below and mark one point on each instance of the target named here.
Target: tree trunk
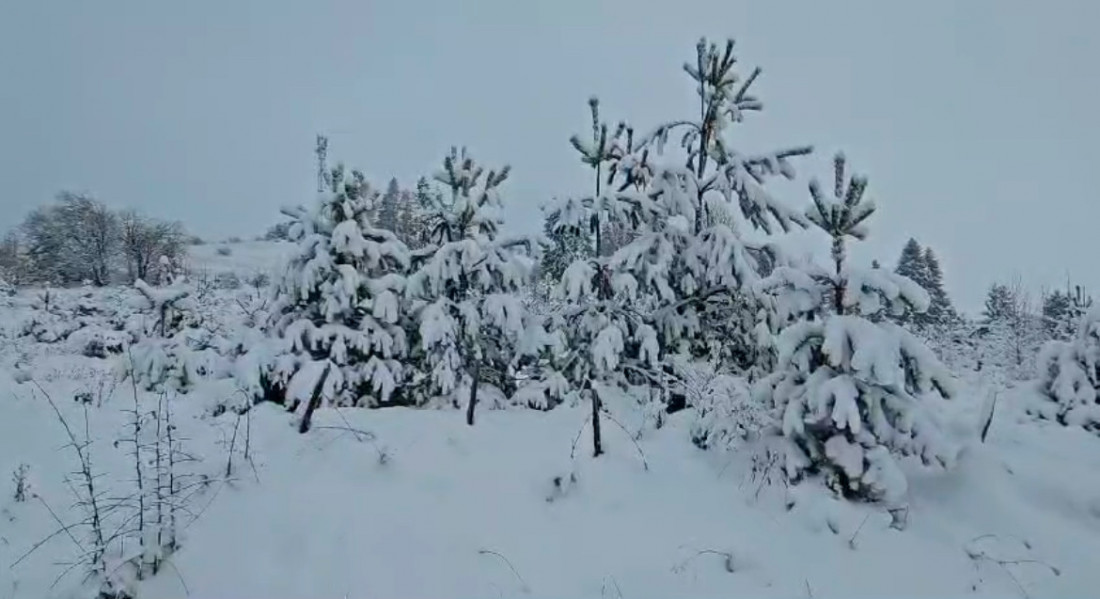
(473, 395)
(314, 402)
(597, 443)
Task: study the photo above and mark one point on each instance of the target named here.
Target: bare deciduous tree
(74, 239)
(145, 240)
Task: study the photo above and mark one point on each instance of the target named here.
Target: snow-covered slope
(429, 507)
(426, 506)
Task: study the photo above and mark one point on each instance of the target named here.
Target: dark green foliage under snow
(923, 267)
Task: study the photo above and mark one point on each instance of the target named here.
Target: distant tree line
(77, 239)
(404, 212)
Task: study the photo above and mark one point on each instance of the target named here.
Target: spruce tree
(389, 209)
(853, 392)
(1056, 315)
(940, 311)
(1000, 305)
(338, 308)
(911, 264)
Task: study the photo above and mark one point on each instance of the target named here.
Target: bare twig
(523, 583)
(727, 561)
(645, 463)
(232, 447)
(577, 439)
(978, 555)
(91, 501)
(186, 591)
(852, 541)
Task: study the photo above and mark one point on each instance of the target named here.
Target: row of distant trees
(77, 238)
(1051, 313)
(1014, 322)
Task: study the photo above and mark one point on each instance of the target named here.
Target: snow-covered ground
(426, 506)
(244, 258)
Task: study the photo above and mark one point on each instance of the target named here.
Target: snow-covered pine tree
(921, 265)
(1000, 305)
(388, 208)
(722, 193)
(1069, 377)
(565, 247)
(1056, 315)
(911, 264)
(941, 312)
(1011, 330)
(1080, 303)
(470, 319)
(680, 270)
(410, 220)
(426, 197)
(338, 309)
(853, 393)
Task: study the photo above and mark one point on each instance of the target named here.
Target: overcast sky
(977, 120)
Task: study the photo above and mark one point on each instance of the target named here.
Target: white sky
(976, 120)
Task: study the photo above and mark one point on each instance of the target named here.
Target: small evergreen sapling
(465, 294)
(853, 393)
(1069, 377)
(163, 357)
(338, 309)
(681, 281)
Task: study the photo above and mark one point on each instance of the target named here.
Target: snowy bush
(227, 280)
(98, 342)
(1069, 377)
(725, 412)
(167, 353)
(853, 392)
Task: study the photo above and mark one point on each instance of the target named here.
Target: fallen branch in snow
(523, 584)
(727, 561)
(978, 555)
(367, 435)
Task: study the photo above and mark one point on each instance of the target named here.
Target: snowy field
(242, 258)
(414, 503)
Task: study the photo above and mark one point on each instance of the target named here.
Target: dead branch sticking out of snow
(523, 584)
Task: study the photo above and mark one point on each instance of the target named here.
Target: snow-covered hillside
(413, 503)
(242, 258)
